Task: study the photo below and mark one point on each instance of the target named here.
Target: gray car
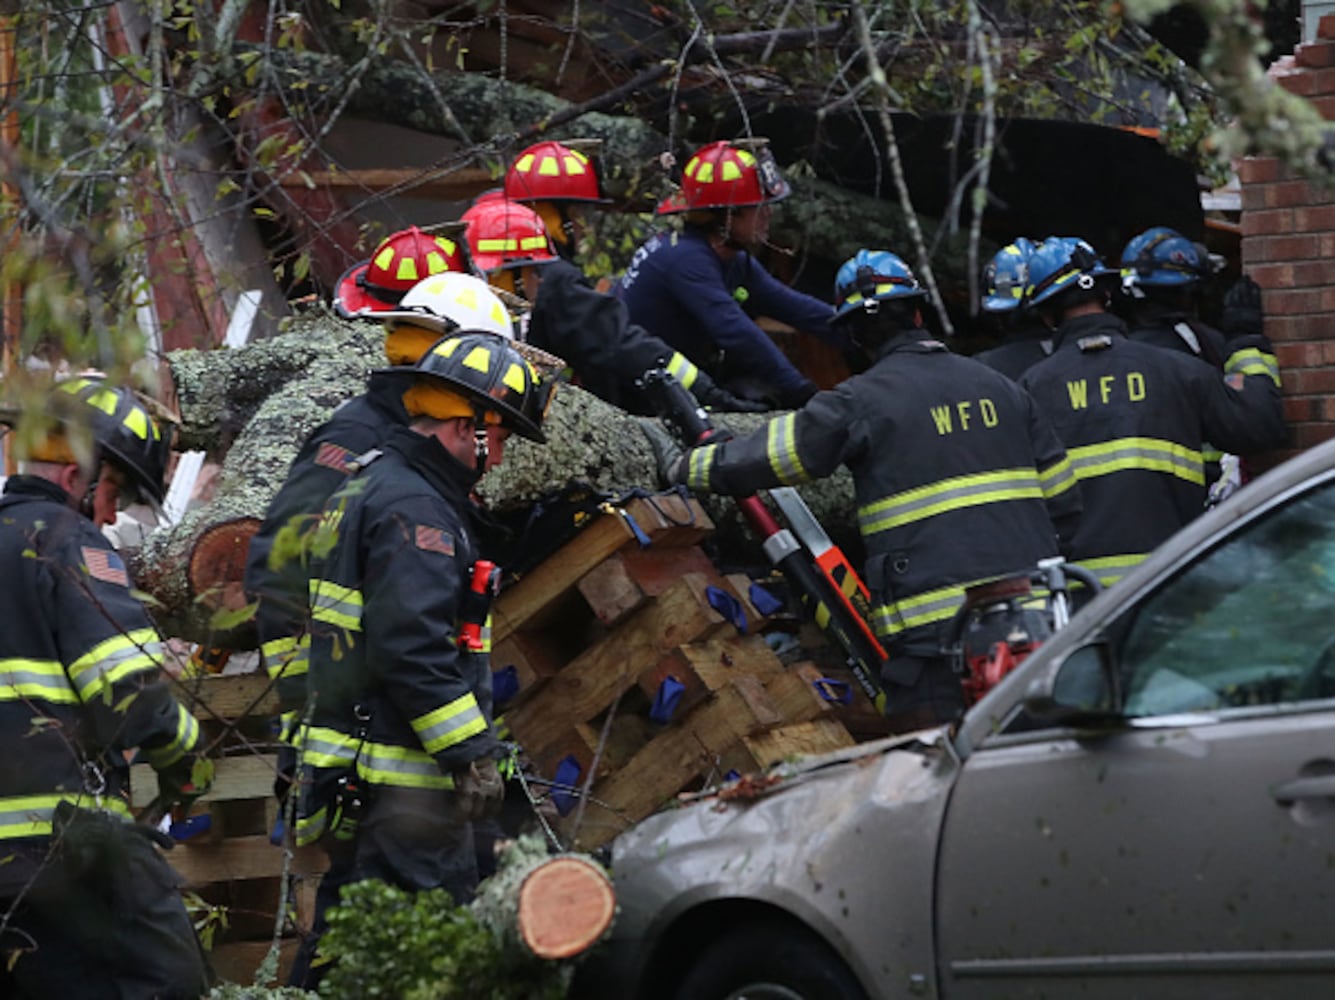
(1145, 808)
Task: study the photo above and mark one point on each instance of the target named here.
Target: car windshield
(1250, 623)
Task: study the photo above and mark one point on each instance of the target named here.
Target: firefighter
(958, 478)
(399, 262)
(557, 181)
(275, 574)
(508, 243)
(1133, 417)
(699, 288)
(1162, 277)
(90, 907)
(400, 751)
(1024, 340)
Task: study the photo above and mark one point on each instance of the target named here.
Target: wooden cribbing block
(592, 681)
(216, 696)
(533, 659)
(759, 751)
(630, 731)
(626, 580)
(668, 520)
(702, 667)
(795, 694)
(241, 858)
(247, 776)
(740, 584)
(673, 759)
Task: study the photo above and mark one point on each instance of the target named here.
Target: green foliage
(386, 942)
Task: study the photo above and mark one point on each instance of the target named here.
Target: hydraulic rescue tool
(819, 573)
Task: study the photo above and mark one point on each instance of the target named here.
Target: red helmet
(727, 175)
(504, 233)
(400, 261)
(551, 171)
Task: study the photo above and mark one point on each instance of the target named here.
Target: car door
(1187, 848)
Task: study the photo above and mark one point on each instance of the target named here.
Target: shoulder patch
(432, 539)
(333, 456)
(105, 565)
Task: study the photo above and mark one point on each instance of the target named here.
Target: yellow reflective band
(436, 263)
(447, 245)
(36, 680)
(403, 767)
(731, 171)
(115, 659)
(745, 156)
(682, 370)
(549, 167)
(926, 608)
(138, 423)
(325, 747)
(384, 258)
(407, 270)
(699, 462)
(956, 493)
(524, 164)
(575, 163)
(311, 828)
(533, 243)
(781, 445)
(104, 399)
(493, 245)
(286, 657)
(1253, 361)
(1110, 569)
(1138, 454)
(30, 815)
(336, 605)
(1057, 478)
(450, 724)
(187, 736)
(705, 173)
(447, 347)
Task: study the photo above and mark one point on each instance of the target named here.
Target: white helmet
(452, 301)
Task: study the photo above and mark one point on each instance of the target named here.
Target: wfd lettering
(945, 417)
(1079, 391)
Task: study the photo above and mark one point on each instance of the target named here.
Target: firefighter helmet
(90, 420)
(400, 261)
(490, 374)
(1161, 257)
(552, 171)
(727, 175)
(1005, 276)
(870, 277)
(452, 301)
(505, 234)
(1061, 263)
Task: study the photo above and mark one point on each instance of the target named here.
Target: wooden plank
(236, 858)
(592, 681)
(628, 579)
(795, 694)
(667, 520)
(239, 961)
(628, 735)
(230, 697)
(708, 665)
(247, 776)
(760, 751)
(672, 760)
(417, 182)
(533, 659)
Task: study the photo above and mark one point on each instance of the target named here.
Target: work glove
(1242, 316)
(479, 789)
(669, 456)
(186, 780)
(715, 397)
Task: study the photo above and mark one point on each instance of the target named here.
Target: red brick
(1307, 82)
(1327, 355)
(1291, 329)
(1326, 105)
(1259, 169)
(1303, 355)
(1311, 219)
(1287, 301)
(1325, 28)
(1310, 382)
(1272, 248)
(1315, 55)
(1268, 222)
(1290, 194)
(1299, 409)
(1291, 274)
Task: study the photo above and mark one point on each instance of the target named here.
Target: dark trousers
(411, 838)
(920, 691)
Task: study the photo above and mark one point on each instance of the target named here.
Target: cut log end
(217, 564)
(565, 906)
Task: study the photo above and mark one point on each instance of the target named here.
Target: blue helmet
(869, 277)
(1061, 263)
(1160, 258)
(1006, 275)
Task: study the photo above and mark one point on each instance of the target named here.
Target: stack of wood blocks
(638, 662)
(231, 863)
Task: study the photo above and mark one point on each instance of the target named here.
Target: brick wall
(1288, 247)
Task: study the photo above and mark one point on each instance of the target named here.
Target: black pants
(920, 691)
(102, 920)
(411, 838)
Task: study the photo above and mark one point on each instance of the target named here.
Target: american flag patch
(105, 565)
(333, 456)
(435, 540)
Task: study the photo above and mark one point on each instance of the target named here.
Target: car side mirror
(1079, 691)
